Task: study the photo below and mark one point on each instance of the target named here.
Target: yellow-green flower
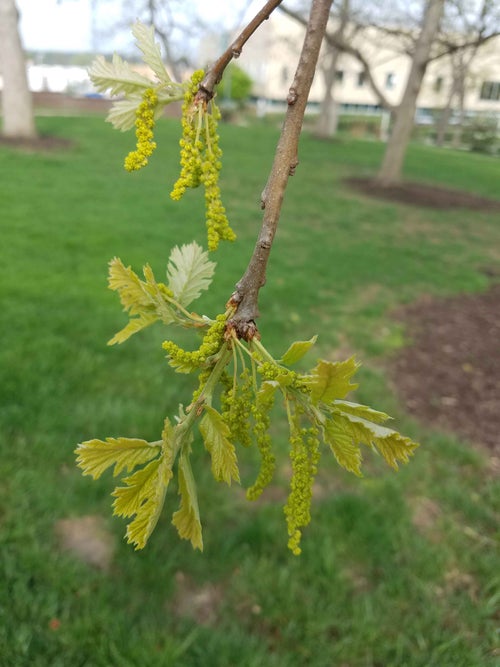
(304, 456)
(144, 124)
(200, 161)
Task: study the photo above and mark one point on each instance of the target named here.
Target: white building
(271, 55)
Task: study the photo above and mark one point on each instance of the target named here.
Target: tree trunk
(326, 125)
(392, 164)
(17, 104)
(444, 118)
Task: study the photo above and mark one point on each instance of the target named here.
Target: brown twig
(214, 74)
(245, 297)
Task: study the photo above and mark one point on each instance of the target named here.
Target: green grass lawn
(397, 570)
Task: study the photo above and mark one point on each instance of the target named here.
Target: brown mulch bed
(450, 376)
(420, 194)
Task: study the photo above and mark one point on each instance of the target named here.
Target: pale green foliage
(331, 379)
(189, 272)
(145, 40)
(347, 453)
(297, 350)
(216, 435)
(117, 76)
(96, 456)
(392, 445)
(187, 517)
(120, 78)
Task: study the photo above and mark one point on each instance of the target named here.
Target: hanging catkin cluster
(201, 160)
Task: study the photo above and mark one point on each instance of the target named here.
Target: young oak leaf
(187, 517)
(216, 434)
(140, 486)
(364, 411)
(189, 272)
(146, 299)
(145, 40)
(123, 113)
(144, 493)
(148, 512)
(96, 456)
(392, 445)
(117, 76)
(341, 443)
(330, 380)
(297, 350)
(134, 325)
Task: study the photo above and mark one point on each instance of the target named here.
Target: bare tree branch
(214, 74)
(285, 162)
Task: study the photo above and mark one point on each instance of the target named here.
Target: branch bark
(245, 297)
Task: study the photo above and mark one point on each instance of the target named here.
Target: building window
(490, 90)
(361, 79)
(339, 75)
(390, 80)
(438, 84)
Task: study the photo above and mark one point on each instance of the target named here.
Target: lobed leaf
(144, 493)
(96, 456)
(148, 512)
(136, 324)
(145, 40)
(359, 410)
(392, 445)
(216, 434)
(330, 380)
(130, 287)
(140, 486)
(187, 517)
(147, 299)
(297, 350)
(117, 76)
(341, 443)
(189, 272)
(122, 114)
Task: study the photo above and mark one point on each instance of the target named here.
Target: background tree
(176, 25)
(17, 104)
(236, 85)
(466, 28)
(392, 163)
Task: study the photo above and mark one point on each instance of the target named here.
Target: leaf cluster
(238, 381)
(231, 408)
(189, 273)
(121, 79)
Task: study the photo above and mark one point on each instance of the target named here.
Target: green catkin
(144, 124)
(272, 371)
(304, 456)
(236, 405)
(201, 161)
(260, 411)
(185, 360)
(190, 144)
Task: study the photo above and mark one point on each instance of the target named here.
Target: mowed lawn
(398, 569)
